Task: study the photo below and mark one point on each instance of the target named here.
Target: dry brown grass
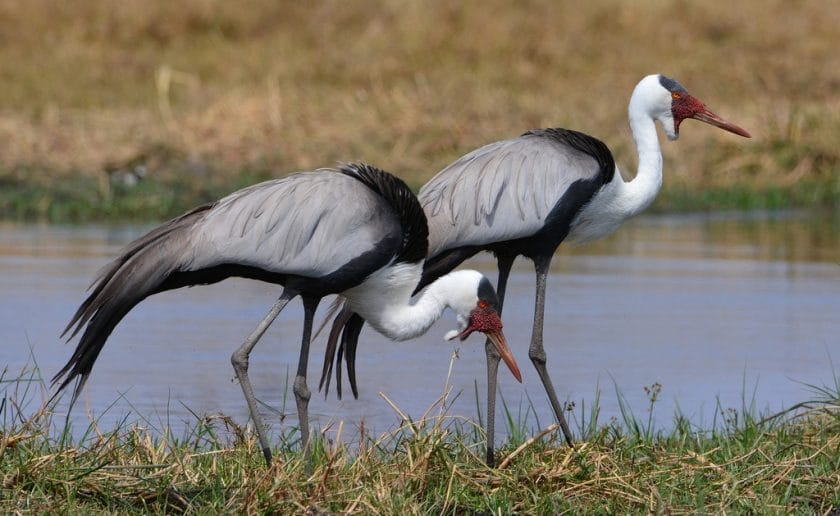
(409, 85)
(432, 463)
(430, 467)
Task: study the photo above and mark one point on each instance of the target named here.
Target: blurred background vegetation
(198, 97)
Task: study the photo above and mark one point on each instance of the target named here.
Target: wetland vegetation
(746, 462)
(142, 110)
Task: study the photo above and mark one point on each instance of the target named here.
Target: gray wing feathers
(301, 224)
(501, 191)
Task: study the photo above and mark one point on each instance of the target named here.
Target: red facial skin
(685, 106)
(485, 318)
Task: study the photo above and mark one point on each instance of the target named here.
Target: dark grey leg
(300, 389)
(537, 352)
(239, 359)
(504, 263)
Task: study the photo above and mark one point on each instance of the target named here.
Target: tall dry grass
(408, 85)
(431, 464)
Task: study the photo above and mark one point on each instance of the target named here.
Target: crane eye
(675, 95)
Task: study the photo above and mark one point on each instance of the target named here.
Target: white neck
(640, 192)
(384, 300)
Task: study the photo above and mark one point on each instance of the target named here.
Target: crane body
(524, 197)
(356, 230)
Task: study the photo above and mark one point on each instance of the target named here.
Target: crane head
(481, 313)
(664, 99)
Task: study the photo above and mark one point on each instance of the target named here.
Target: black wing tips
(347, 325)
(338, 326)
(398, 195)
(584, 143)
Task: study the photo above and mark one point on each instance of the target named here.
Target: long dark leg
(300, 389)
(537, 352)
(504, 262)
(239, 359)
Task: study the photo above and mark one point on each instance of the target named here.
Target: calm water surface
(713, 308)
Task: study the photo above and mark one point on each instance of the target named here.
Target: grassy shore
(745, 463)
(204, 96)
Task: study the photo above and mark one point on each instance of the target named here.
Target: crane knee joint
(300, 389)
(239, 361)
(537, 356)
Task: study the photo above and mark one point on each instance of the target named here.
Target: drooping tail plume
(142, 269)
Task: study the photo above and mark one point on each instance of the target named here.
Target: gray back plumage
(325, 230)
(506, 190)
(523, 193)
(308, 224)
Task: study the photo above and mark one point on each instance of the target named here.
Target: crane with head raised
(525, 196)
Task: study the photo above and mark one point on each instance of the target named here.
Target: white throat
(646, 106)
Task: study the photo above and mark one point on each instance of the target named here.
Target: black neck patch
(394, 191)
(671, 85)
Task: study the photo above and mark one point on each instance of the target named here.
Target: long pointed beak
(711, 118)
(498, 340)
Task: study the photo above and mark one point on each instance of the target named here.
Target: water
(717, 309)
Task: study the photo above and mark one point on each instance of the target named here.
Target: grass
(746, 462)
(208, 96)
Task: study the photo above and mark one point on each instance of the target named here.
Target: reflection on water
(762, 235)
(714, 308)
